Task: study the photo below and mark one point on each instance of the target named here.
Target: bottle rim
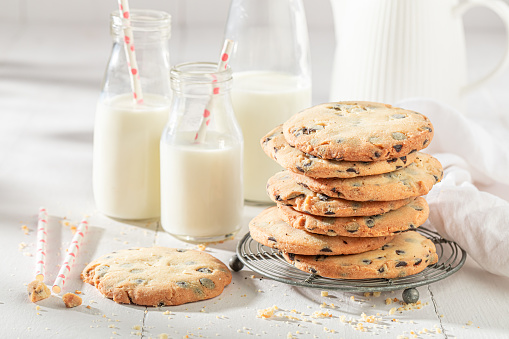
(142, 20)
(199, 73)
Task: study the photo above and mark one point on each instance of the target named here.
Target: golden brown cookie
(415, 180)
(282, 189)
(408, 253)
(157, 276)
(275, 146)
(407, 217)
(268, 229)
(358, 131)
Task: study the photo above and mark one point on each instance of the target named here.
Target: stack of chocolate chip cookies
(349, 199)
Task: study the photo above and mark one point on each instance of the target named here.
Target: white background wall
(184, 12)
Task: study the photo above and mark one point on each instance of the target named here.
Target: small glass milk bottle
(201, 173)
(126, 133)
(272, 78)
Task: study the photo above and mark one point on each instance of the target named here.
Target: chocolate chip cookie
(275, 146)
(408, 253)
(408, 217)
(282, 189)
(268, 229)
(157, 276)
(358, 131)
(415, 180)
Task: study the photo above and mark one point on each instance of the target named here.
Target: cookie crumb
(325, 294)
(77, 292)
(367, 294)
(376, 294)
(37, 290)
(388, 301)
(137, 327)
(163, 336)
(267, 313)
(469, 322)
(71, 300)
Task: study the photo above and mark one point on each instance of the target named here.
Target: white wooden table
(49, 84)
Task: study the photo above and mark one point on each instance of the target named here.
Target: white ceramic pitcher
(387, 50)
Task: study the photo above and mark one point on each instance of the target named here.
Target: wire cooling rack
(270, 263)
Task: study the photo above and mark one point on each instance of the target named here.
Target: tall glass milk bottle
(271, 80)
(201, 156)
(126, 133)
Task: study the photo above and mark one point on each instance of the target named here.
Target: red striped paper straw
(223, 63)
(130, 53)
(70, 258)
(40, 256)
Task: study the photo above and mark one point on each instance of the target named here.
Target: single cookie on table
(275, 146)
(415, 180)
(157, 276)
(282, 189)
(407, 254)
(268, 229)
(37, 291)
(408, 217)
(358, 131)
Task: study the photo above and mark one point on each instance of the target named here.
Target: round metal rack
(270, 263)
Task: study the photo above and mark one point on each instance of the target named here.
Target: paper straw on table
(130, 53)
(223, 63)
(40, 256)
(70, 258)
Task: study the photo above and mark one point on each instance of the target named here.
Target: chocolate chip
(356, 184)
(398, 167)
(278, 198)
(377, 154)
(271, 239)
(392, 160)
(345, 242)
(139, 281)
(417, 208)
(303, 185)
(425, 142)
(352, 170)
(329, 213)
(370, 222)
(207, 283)
(325, 249)
(400, 252)
(397, 147)
(323, 197)
(161, 303)
(307, 163)
(320, 257)
(417, 261)
(412, 151)
(182, 284)
(276, 149)
(312, 270)
(291, 256)
(403, 159)
(204, 270)
(426, 128)
(299, 169)
(436, 178)
(398, 136)
(381, 270)
(367, 261)
(181, 250)
(398, 116)
(266, 140)
(384, 247)
(352, 227)
(401, 264)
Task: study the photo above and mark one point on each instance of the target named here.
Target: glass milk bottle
(126, 133)
(272, 79)
(201, 173)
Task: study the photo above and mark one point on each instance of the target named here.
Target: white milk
(126, 156)
(262, 101)
(201, 187)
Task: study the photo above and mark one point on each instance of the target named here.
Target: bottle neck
(200, 79)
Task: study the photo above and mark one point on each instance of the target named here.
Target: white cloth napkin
(473, 157)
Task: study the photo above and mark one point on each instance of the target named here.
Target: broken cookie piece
(71, 300)
(37, 290)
